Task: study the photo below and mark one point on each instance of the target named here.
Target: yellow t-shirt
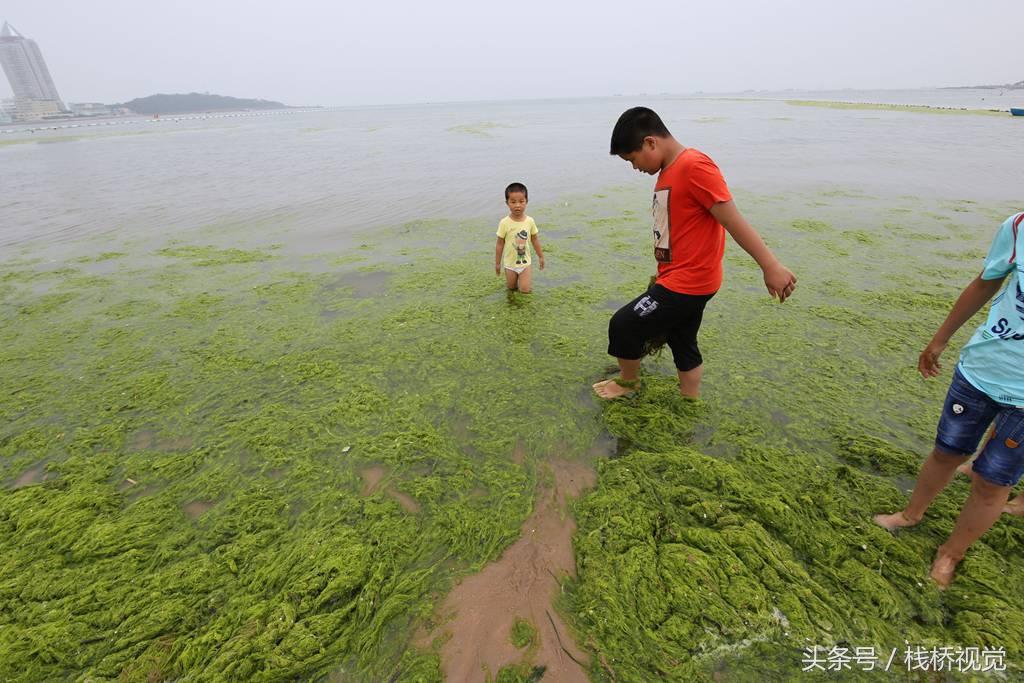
(517, 241)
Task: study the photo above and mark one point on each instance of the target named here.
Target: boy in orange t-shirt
(692, 212)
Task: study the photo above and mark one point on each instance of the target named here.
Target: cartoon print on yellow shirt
(520, 242)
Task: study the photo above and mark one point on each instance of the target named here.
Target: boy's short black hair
(516, 187)
(633, 126)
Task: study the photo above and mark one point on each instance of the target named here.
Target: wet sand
(372, 477)
(197, 508)
(31, 476)
(479, 612)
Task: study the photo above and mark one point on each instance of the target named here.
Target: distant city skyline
(325, 53)
(25, 68)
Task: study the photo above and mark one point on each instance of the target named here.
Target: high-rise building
(25, 68)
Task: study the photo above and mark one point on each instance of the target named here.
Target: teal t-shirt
(993, 360)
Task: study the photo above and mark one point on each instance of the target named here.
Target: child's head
(516, 197)
(638, 137)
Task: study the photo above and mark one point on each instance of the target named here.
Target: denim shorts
(966, 416)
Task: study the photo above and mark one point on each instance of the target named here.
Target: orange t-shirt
(688, 241)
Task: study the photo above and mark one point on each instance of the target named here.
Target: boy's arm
(971, 300)
(536, 247)
(779, 280)
(499, 248)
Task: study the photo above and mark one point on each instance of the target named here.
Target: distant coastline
(192, 103)
(1019, 85)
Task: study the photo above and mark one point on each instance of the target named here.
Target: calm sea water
(324, 175)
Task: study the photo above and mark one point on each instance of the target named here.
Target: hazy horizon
(320, 54)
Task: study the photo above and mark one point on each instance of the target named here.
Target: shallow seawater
(224, 457)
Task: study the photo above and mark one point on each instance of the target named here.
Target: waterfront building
(90, 109)
(26, 71)
(7, 111)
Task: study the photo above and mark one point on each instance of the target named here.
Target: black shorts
(659, 312)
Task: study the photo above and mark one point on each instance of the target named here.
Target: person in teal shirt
(988, 384)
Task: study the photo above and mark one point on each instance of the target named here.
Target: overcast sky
(353, 52)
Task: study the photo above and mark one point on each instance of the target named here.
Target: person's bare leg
(689, 382)
(936, 473)
(979, 513)
(629, 374)
(511, 278)
(526, 281)
(968, 467)
(1015, 506)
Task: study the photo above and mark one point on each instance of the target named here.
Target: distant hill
(195, 102)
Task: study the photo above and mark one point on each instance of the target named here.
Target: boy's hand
(497, 269)
(541, 262)
(780, 281)
(928, 363)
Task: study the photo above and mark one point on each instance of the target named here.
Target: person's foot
(897, 520)
(943, 569)
(611, 389)
(1015, 506)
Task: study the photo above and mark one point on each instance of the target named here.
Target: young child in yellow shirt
(516, 232)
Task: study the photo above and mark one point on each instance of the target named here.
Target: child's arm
(536, 247)
(971, 300)
(779, 280)
(499, 249)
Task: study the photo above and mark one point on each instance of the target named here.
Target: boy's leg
(683, 342)
(966, 415)
(977, 516)
(689, 381)
(629, 375)
(1015, 506)
(511, 278)
(996, 470)
(936, 473)
(526, 280)
(968, 466)
(643, 318)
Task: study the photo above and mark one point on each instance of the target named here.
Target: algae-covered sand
(225, 462)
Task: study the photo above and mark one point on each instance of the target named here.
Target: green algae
(685, 573)
(41, 140)
(281, 413)
(99, 258)
(912, 108)
(212, 256)
(861, 236)
(481, 129)
(810, 225)
(728, 532)
(523, 633)
(520, 673)
(679, 553)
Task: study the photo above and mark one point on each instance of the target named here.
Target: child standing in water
(988, 383)
(693, 210)
(516, 232)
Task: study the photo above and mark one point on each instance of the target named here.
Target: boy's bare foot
(897, 520)
(616, 388)
(1015, 506)
(942, 570)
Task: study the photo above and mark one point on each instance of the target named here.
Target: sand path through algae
(246, 392)
(478, 615)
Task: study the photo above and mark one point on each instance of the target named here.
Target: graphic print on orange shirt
(662, 227)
